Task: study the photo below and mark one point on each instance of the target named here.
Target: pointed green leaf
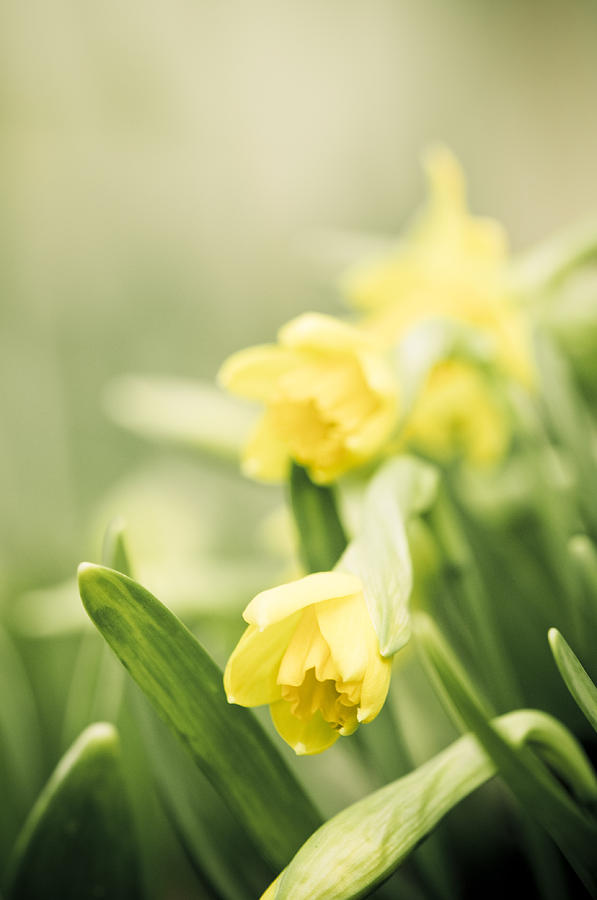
(77, 841)
(380, 555)
(572, 828)
(193, 414)
(577, 681)
(114, 552)
(361, 846)
(185, 686)
(97, 684)
(321, 536)
(96, 687)
(204, 826)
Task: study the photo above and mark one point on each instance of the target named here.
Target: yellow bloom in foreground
(449, 265)
(330, 398)
(310, 651)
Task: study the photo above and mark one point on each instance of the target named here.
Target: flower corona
(310, 651)
(330, 396)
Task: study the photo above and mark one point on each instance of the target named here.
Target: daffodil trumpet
(310, 651)
(330, 396)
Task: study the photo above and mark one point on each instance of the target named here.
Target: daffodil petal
(365, 442)
(344, 623)
(279, 602)
(251, 672)
(445, 178)
(378, 375)
(375, 686)
(304, 736)
(315, 331)
(254, 372)
(306, 650)
(265, 456)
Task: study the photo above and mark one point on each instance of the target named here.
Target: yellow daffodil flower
(459, 414)
(310, 651)
(449, 265)
(330, 398)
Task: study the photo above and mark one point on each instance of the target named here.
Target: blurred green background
(177, 180)
(167, 171)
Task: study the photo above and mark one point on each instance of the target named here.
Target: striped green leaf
(577, 681)
(380, 554)
(361, 846)
(204, 826)
(572, 827)
(185, 686)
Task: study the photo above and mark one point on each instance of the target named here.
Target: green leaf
(77, 841)
(96, 688)
(570, 421)
(361, 846)
(572, 828)
(193, 414)
(380, 555)
(207, 587)
(210, 834)
(20, 745)
(321, 536)
(577, 681)
(583, 553)
(114, 552)
(185, 686)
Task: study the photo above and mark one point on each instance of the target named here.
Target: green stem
(321, 535)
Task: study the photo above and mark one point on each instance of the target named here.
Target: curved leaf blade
(572, 828)
(380, 553)
(97, 685)
(77, 841)
(575, 677)
(361, 846)
(210, 835)
(185, 686)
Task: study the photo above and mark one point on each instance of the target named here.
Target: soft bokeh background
(170, 176)
(166, 168)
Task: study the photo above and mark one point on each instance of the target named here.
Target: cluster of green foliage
(167, 788)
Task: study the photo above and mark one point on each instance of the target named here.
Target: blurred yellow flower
(330, 397)
(459, 414)
(311, 652)
(449, 265)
